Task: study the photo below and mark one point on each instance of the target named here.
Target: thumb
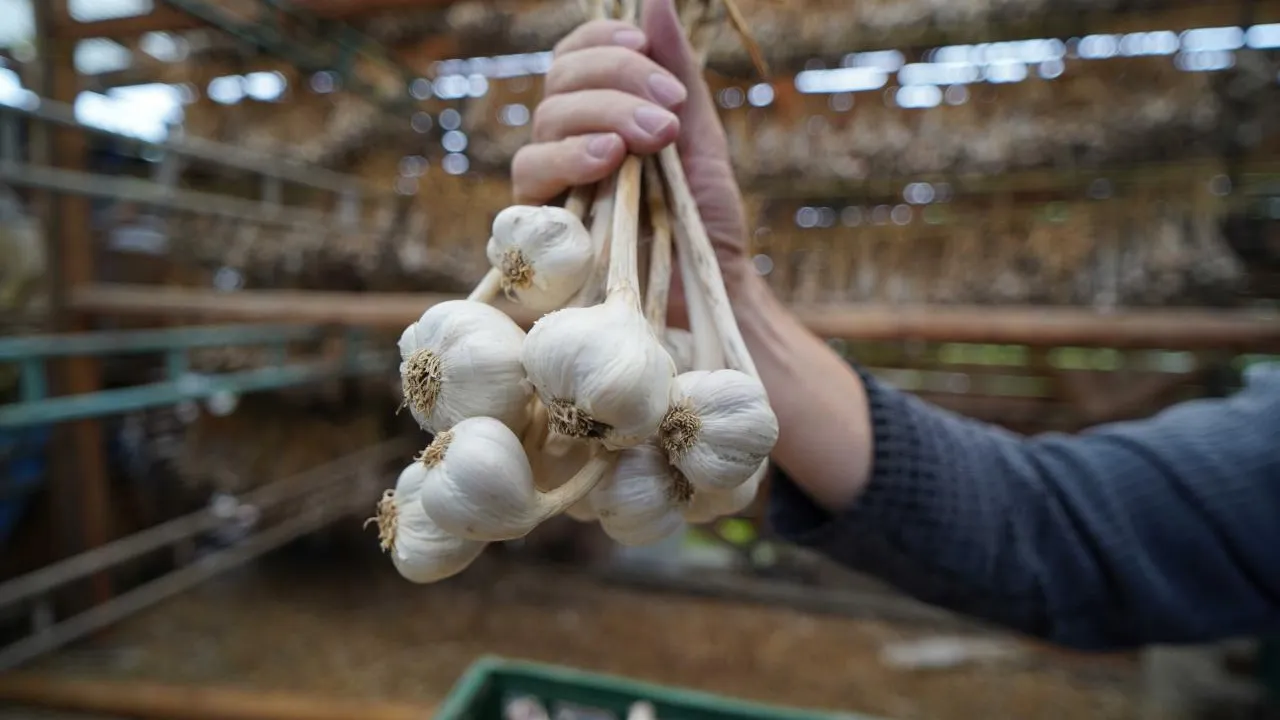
(701, 131)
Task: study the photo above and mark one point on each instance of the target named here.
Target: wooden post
(78, 464)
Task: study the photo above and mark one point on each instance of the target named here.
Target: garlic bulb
(719, 428)
(601, 371)
(461, 359)
(544, 254)
(480, 486)
(420, 550)
(641, 501)
(709, 505)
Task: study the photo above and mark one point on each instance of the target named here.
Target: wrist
(749, 293)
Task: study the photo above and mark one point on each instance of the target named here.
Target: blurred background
(217, 215)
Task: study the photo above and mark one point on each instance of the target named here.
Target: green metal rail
(35, 407)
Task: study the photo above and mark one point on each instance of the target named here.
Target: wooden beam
(148, 701)
(1171, 328)
(1050, 326)
(79, 462)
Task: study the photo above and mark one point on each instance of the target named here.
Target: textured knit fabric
(1162, 530)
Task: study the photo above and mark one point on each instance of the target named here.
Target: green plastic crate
(491, 682)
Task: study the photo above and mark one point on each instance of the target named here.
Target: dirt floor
(343, 624)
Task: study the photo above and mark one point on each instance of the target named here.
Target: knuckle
(563, 46)
(558, 76)
(525, 177)
(620, 63)
(543, 117)
(520, 163)
(582, 36)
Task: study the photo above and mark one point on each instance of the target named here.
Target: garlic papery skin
(641, 502)
(601, 372)
(480, 485)
(420, 551)
(719, 428)
(709, 505)
(544, 254)
(461, 359)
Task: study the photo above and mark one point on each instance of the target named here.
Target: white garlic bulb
(641, 501)
(420, 550)
(544, 254)
(480, 486)
(708, 505)
(601, 372)
(719, 428)
(461, 359)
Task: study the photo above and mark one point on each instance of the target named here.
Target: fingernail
(601, 145)
(666, 90)
(633, 39)
(653, 120)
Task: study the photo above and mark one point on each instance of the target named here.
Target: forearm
(1155, 531)
(824, 440)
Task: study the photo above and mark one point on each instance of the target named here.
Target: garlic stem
(693, 244)
(592, 291)
(659, 286)
(629, 11)
(624, 280)
(487, 290)
(536, 432)
(743, 28)
(555, 502)
(579, 198)
(708, 354)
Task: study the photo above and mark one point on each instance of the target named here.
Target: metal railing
(322, 495)
(35, 407)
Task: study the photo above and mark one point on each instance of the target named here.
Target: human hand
(614, 89)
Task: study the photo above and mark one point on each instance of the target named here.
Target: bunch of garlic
(590, 413)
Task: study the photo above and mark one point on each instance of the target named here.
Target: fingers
(617, 68)
(602, 32)
(645, 127)
(670, 48)
(541, 171)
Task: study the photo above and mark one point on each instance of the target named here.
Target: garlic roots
(461, 359)
(420, 551)
(480, 486)
(544, 255)
(719, 428)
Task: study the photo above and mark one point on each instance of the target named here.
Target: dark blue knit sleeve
(1161, 530)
